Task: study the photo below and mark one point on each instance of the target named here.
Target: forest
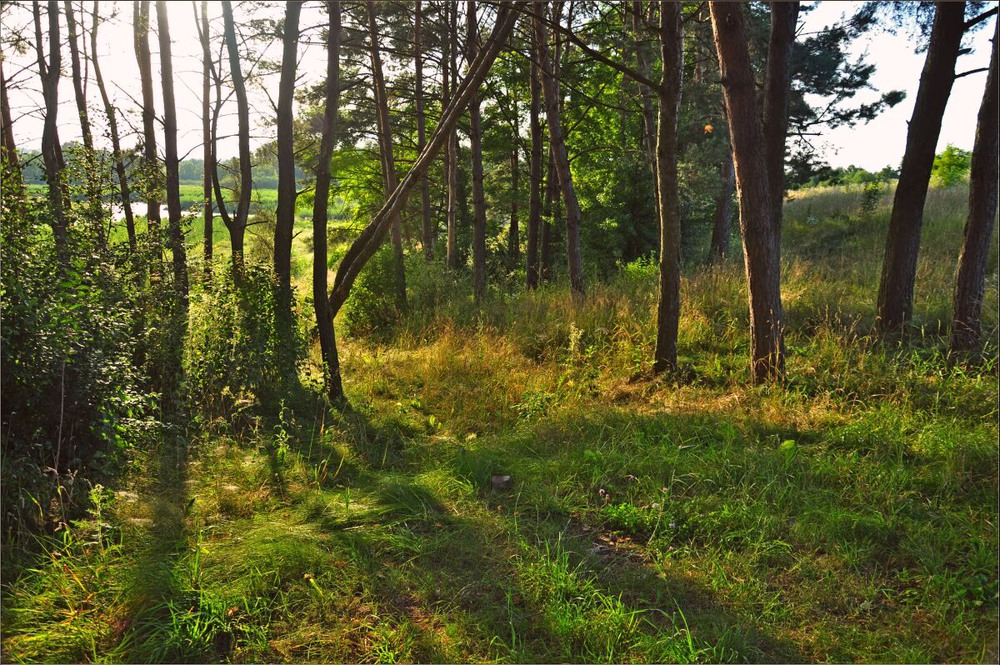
(458, 331)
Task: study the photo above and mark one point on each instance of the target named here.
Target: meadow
(848, 515)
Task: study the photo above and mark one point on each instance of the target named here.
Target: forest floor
(850, 515)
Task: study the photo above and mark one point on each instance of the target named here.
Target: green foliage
(951, 166)
(372, 309)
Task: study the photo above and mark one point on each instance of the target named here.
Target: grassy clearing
(850, 516)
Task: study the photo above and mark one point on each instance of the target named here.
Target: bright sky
(871, 146)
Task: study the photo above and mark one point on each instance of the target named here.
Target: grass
(848, 516)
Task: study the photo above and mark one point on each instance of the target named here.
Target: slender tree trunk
(669, 307)
(175, 232)
(206, 131)
(237, 226)
(116, 150)
(784, 16)
(476, 141)
(92, 177)
(151, 168)
(391, 179)
(548, 216)
(372, 236)
(535, 185)
(723, 211)
(52, 155)
(514, 233)
(8, 148)
(642, 63)
(899, 269)
(452, 177)
(550, 92)
(979, 226)
(760, 240)
(427, 232)
(285, 211)
(324, 318)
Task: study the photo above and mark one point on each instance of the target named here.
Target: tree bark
(8, 148)
(899, 269)
(669, 306)
(206, 131)
(784, 16)
(476, 149)
(979, 226)
(723, 211)
(427, 231)
(535, 185)
(175, 233)
(151, 168)
(452, 162)
(514, 232)
(116, 149)
(372, 236)
(548, 216)
(760, 240)
(391, 179)
(77, 70)
(550, 91)
(324, 318)
(52, 155)
(285, 211)
(237, 225)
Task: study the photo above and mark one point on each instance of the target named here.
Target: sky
(871, 146)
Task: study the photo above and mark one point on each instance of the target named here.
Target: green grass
(848, 516)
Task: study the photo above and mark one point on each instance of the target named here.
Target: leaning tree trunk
(206, 132)
(391, 179)
(899, 269)
(116, 149)
(52, 156)
(151, 169)
(535, 184)
(426, 226)
(175, 233)
(983, 177)
(669, 307)
(760, 240)
(285, 210)
(784, 16)
(238, 224)
(550, 91)
(324, 318)
(723, 211)
(476, 150)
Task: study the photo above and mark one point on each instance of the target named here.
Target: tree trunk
(427, 231)
(324, 318)
(548, 217)
(669, 306)
(514, 233)
(151, 168)
(52, 155)
(899, 269)
(760, 240)
(285, 211)
(642, 64)
(175, 233)
(535, 185)
(550, 91)
(476, 149)
(452, 177)
(237, 226)
(983, 177)
(391, 180)
(372, 236)
(11, 165)
(784, 16)
(206, 130)
(116, 150)
(723, 211)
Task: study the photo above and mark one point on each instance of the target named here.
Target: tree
(476, 142)
(427, 230)
(175, 232)
(208, 155)
(723, 205)
(116, 150)
(151, 169)
(449, 69)
(10, 166)
(285, 213)
(669, 94)
(52, 156)
(331, 108)
(899, 268)
(983, 178)
(535, 177)
(760, 237)
(237, 224)
(784, 16)
(550, 92)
